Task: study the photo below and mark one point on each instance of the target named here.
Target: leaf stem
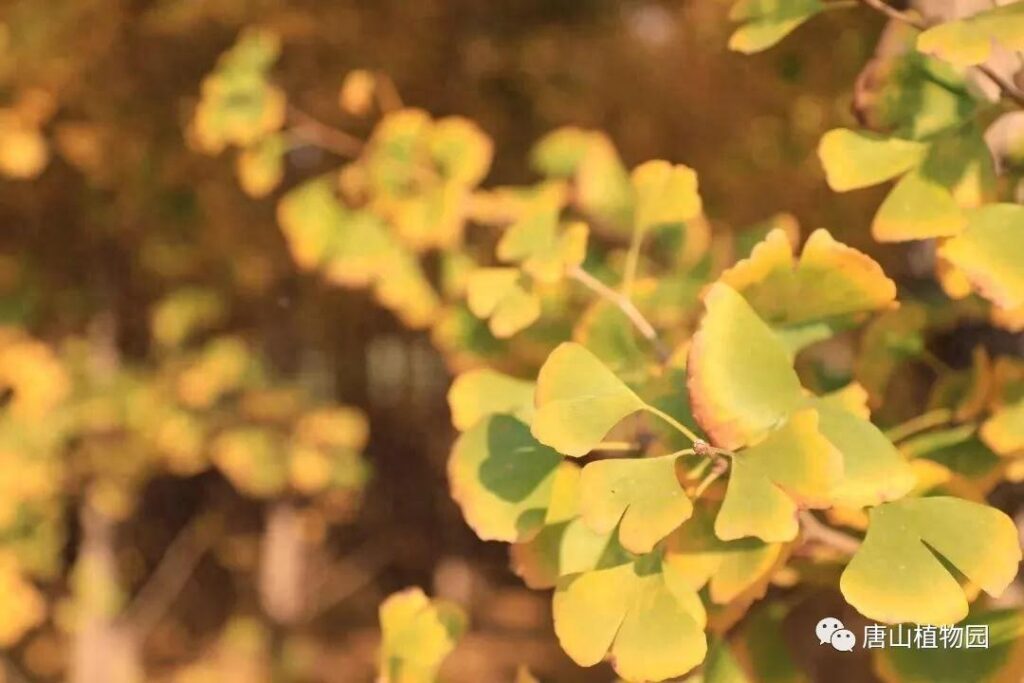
(679, 426)
(1006, 87)
(632, 263)
(321, 135)
(625, 305)
(814, 530)
(720, 467)
(920, 423)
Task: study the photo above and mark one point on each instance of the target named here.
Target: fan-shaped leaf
(896, 577)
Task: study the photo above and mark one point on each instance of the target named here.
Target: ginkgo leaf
(603, 188)
(564, 547)
(578, 401)
(794, 466)
(729, 568)
(988, 253)
(666, 194)
(741, 380)
(642, 496)
(356, 94)
(253, 459)
(1000, 661)
(416, 636)
(538, 242)
(766, 22)
(461, 149)
(309, 216)
(260, 166)
(651, 626)
(873, 469)
(918, 207)
(558, 154)
(897, 576)
(609, 334)
(968, 41)
(854, 159)
(1003, 432)
(497, 294)
(398, 151)
(23, 605)
(830, 279)
(480, 393)
(184, 312)
(502, 478)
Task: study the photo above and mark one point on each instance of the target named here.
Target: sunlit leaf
(650, 626)
(416, 636)
(897, 576)
(969, 41)
(855, 159)
(537, 241)
(988, 252)
(357, 91)
(741, 380)
(23, 149)
(260, 166)
(830, 279)
(729, 568)
(497, 294)
(184, 312)
(253, 459)
(477, 394)
(766, 22)
(502, 478)
(461, 149)
(22, 608)
(578, 401)
(794, 466)
(666, 194)
(642, 496)
(1003, 432)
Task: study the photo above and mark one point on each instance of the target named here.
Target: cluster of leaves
(76, 419)
(692, 369)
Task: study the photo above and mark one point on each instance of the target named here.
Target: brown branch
(625, 305)
(1007, 88)
(313, 132)
(814, 530)
(171, 574)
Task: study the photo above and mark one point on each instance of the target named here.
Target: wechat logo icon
(831, 631)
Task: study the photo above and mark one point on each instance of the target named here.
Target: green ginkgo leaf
(416, 636)
(461, 149)
(477, 394)
(741, 379)
(918, 207)
(969, 41)
(565, 547)
(766, 22)
(642, 496)
(874, 471)
(897, 576)
(498, 295)
(794, 466)
(502, 478)
(854, 159)
(540, 244)
(649, 624)
(728, 568)
(1001, 661)
(578, 401)
(309, 216)
(989, 252)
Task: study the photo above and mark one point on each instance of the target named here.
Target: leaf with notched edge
(578, 401)
(896, 576)
(794, 466)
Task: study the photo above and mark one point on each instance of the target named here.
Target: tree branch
(170, 575)
(626, 306)
(321, 135)
(814, 530)
(1008, 89)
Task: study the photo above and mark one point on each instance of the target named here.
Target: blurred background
(120, 236)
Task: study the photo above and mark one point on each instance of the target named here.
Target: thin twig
(932, 418)
(351, 576)
(171, 574)
(388, 98)
(813, 530)
(720, 467)
(1004, 86)
(626, 306)
(321, 135)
